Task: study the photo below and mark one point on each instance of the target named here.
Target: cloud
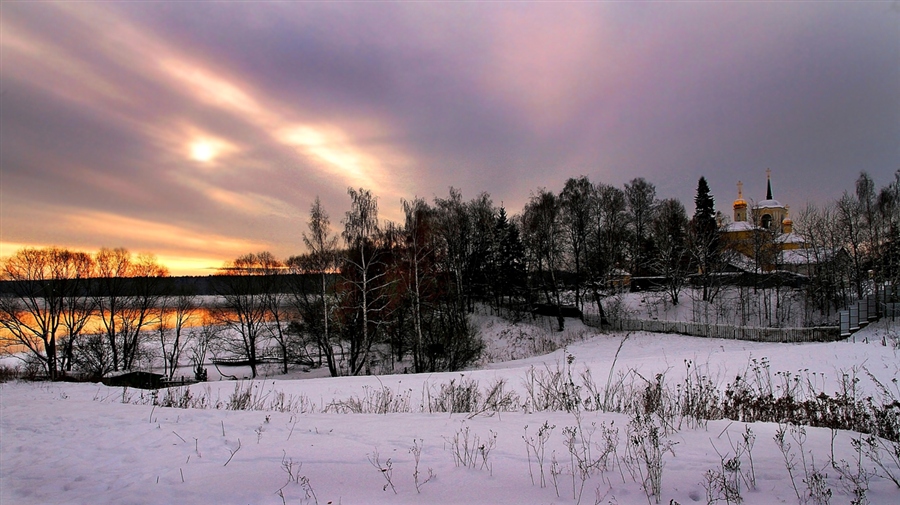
(227, 119)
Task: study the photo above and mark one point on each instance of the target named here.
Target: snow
(738, 226)
(769, 204)
(81, 443)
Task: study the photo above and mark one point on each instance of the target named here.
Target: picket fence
(785, 335)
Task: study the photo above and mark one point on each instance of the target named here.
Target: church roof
(798, 257)
(769, 204)
(739, 226)
(741, 262)
(740, 203)
(790, 238)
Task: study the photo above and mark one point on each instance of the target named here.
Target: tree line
(375, 293)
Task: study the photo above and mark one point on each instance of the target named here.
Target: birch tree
(320, 262)
(418, 270)
(364, 277)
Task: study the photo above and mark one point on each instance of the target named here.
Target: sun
(203, 151)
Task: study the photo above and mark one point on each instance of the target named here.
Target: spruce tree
(509, 258)
(706, 235)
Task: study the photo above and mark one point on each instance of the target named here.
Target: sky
(201, 131)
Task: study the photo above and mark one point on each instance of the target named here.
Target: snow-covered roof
(769, 204)
(739, 226)
(742, 262)
(797, 257)
(790, 238)
(807, 256)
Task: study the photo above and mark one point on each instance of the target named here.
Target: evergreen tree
(706, 244)
(508, 260)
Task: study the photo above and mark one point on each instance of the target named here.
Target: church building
(763, 234)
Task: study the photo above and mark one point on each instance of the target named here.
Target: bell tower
(770, 213)
(740, 205)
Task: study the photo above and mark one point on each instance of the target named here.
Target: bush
(9, 372)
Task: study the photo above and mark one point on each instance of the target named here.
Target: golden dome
(740, 203)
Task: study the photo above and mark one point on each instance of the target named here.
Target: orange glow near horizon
(191, 265)
(176, 263)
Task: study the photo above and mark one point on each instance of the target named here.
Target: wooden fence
(818, 334)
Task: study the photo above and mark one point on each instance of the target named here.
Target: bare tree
(640, 196)
(888, 203)
(314, 298)
(880, 212)
(32, 316)
(110, 291)
(454, 234)
(575, 202)
(321, 262)
(482, 215)
(455, 241)
(203, 337)
(176, 312)
(364, 276)
(274, 291)
(418, 272)
(544, 239)
(607, 240)
(851, 219)
(824, 240)
(78, 305)
(127, 291)
(670, 229)
(245, 305)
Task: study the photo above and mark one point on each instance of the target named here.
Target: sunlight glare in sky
(200, 130)
(337, 153)
(202, 151)
(207, 149)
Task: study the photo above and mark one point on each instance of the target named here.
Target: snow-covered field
(80, 443)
